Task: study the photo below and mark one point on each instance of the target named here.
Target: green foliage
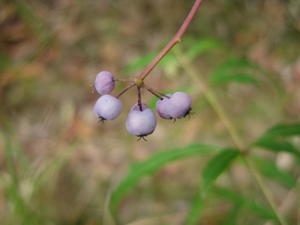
(214, 168)
(220, 77)
(22, 172)
(13, 156)
(277, 146)
(283, 130)
(198, 47)
(257, 208)
(51, 50)
(139, 63)
(233, 71)
(232, 64)
(270, 170)
(154, 163)
(274, 139)
(169, 62)
(217, 165)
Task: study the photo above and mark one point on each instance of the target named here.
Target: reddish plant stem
(176, 39)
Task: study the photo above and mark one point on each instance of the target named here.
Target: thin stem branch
(289, 200)
(176, 39)
(139, 98)
(217, 107)
(153, 92)
(123, 80)
(125, 89)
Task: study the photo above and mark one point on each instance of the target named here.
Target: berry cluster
(141, 120)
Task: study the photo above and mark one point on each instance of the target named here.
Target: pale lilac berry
(174, 106)
(104, 82)
(108, 107)
(140, 123)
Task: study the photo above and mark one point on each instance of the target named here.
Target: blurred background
(58, 165)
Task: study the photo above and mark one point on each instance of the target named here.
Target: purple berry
(178, 105)
(140, 123)
(108, 107)
(104, 82)
(163, 107)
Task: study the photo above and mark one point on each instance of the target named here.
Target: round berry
(108, 107)
(164, 107)
(104, 82)
(174, 106)
(140, 123)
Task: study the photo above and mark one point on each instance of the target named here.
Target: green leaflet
(154, 163)
(139, 63)
(270, 170)
(234, 70)
(217, 165)
(220, 77)
(202, 46)
(254, 206)
(236, 64)
(214, 168)
(283, 130)
(276, 146)
(274, 139)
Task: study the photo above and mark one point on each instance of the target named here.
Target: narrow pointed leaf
(217, 165)
(153, 164)
(220, 77)
(257, 208)
(276, 146)
(139, 63)
(284, 130)
(202, 46)
(270, 170)
(234, 64)
(214, 168)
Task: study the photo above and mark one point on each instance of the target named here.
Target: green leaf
(284, 130)
(220, 77)
(276, 146)
(254, 206)
(168, 59)
(13, 190)
(233, 71)
(215, 167)
(235, 64)
(202, 46)
(153, 164)
(139, 63)
(269, 169)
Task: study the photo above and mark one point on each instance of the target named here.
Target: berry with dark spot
(108, 107)
(140, 123)
(174, 106)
